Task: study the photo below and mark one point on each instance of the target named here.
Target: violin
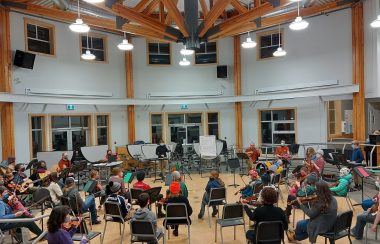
(73, 223)
(304, 199)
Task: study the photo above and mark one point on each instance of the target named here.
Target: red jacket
(141, 185)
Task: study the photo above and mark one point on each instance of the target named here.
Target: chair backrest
(217, 194)
(65, 201)
(142, 230)
(343, 221)
(233, 211)
(154, 193)
(269, 231)
(176, 211)
(258, 188)
(112, 209)
(135, 192)
(276, 179)
(284, 173)
(41, 195)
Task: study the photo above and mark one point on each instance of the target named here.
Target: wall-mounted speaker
(24, 59)
(222, 71)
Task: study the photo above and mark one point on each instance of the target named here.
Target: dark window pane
(59, 140)
(175, 119)
(84, 41)
(97, 43)
(192, 134)
(267, 52)
(283, 114)
(38, 46)
(275, 39)
(164, 48)
(99, 55)
(201, 49)
(102, 120)
(266, 116)
(177, 134)
(193, 118)
(212, 117)
(79, 138)
(36, 123)
(205, 58)
(102, 136)
(266, 132)
(289, 138)
(156, 134)
(265, 41)
(60, 121)
(156, 119)
(213, 129)
(159, 59)
(37, 141)
(31, 30)
(284, 126)
(153, 47)
(43, 33)
(79, 121)
(211, 47)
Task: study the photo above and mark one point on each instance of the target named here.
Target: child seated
(13, 202)
(247, 191)
(140, 184)
(214, 182)
(143, 213)
(113, 190)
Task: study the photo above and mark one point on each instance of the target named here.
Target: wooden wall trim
(237, 91)
(130, 94)
(359, 124)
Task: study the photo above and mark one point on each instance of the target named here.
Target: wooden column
(7, 121)
(358, 72)
(237, 88)
(130, 94)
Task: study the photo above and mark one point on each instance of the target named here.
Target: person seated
(253, 153)
(113, 190)
(140, 184)
(176, 177)
(9, 183)
(340, 188)
(310, 154)
(6, 212)
(367, 203)
(322, 214)
(283, 152)
(64, 162)
(19, 176)
(357, 158)
(247, 191)
(143, 213)
(320, 161)
(61, 226)
(214, 182)
(98, 189)
(13, 202)
(109, 156)
(39, 173)
(54, 189)
(11, 164)
(279, 165)
(266, 212)
(71, 192)
(117, 176)
(176, 197)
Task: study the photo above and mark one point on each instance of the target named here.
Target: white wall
(66, 71)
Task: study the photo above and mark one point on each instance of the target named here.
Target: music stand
(362, 173)
(233, 163)
(128, 177)
(78, 167)
(64, 173)
(242, 156)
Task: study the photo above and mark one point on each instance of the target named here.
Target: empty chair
(112, 213)
(233, 215)
(217, 198)
(341, 227)
(270, 231)
(144, 231)
(176, 214)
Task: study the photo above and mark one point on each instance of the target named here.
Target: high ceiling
(187, 21)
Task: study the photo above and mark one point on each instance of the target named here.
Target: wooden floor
(200, 231)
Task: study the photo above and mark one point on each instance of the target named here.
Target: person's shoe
(214, 212)
(175, 232)
(200, 216)
(96, 222)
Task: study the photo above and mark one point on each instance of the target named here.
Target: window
(70, 132)
(159, 53)
(102, 130)
(277, 125)
(185, 127)
(207, 53)
(268, 43)
(37, 134)
(156, 128)
(339, 119)
(39, 37)
(213, 124)
(97, 46)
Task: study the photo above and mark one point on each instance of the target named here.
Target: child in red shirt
(140, 184)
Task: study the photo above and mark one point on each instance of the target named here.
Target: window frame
(216, 53)
(184, 113)
(52, 38)
(108, 128)
(148, 53)
(105, 47)
(212, 123)
(163, 137)
(267, 33)
(44, 121)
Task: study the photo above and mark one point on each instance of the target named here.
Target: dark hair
(39, 165)
(18, 167)
(57, 218)
(265, 178)
(140, 175)
(324, 195)
(269, 196)
(54, 176)
(143, 199)
(2, 189)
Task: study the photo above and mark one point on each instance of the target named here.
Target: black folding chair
(72, 203)
(153, 196)
(233, 215)
(135, 193)
(217, 197)
(144, 231)
(270, 232)
(112, 213)
(41, 197)
(276, 182)
(341, 228)
(176, 214)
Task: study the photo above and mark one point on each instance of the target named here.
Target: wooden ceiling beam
(141, 5)
(238, 6)
(153, 5)
(176, 16)
(169, 18)
(213, 15)
(162, 12)
(204, 7)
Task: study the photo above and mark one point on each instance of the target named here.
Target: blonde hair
(116, 170)
(93, 173)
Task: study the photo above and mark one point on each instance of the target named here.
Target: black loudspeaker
(24, 59)
(221, 71)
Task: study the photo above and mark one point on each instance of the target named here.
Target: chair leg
(216, 231)
(122, 235)
(104, 232)
(168, 232)
(188, 233)
(221, 233)
(325, 240)
(234, 233)
(208, 215)
(349, 238)
(294, 217)
(366, 232)
(119, 229)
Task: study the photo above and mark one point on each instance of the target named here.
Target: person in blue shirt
(356, 158)
(214, 182)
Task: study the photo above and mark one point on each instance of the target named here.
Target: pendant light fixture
(279, 52)
(94, 1)
(186, 52)
(79, 26)
(184, 62)
(125, 45)
(249, 43)
(88, 55)
(299, 23)
(376, 22)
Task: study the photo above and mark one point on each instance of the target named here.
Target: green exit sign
(184, 106)
(70, 107)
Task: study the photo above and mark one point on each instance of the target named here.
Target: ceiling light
(125, 45)
(184, 51)
(376, 22)
(248, 43)
(94, 1)
(279, 52)
(184, 62)
(79, 26)
(88, 55)
(299, 23)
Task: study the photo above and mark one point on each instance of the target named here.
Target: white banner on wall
(207, 146)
